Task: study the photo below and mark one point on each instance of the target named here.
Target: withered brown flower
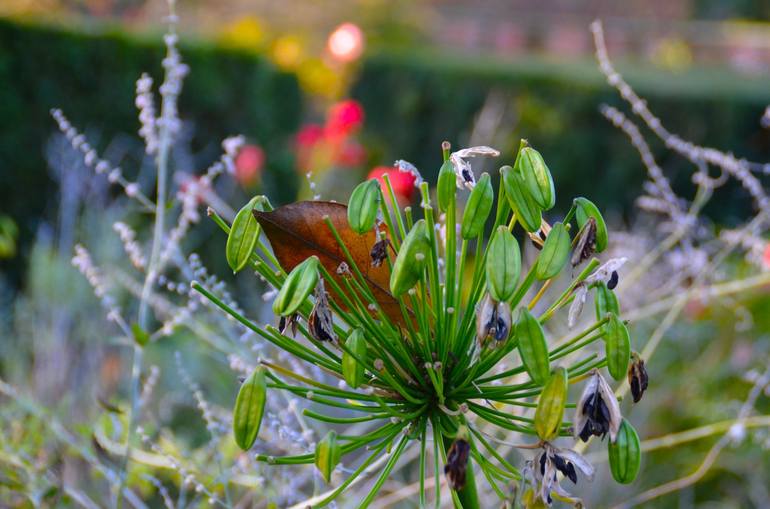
(597, 412)
(586, 245)
(637, 377)
(321, 321)
(457, 463)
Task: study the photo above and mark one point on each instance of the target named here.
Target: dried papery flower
(597, 412)
(379, 252)
(463, 171)
(578, 302)
(637, 377)
(542, 473)
(457, 463)
(493, 319)
(288, 323)
(320, 321)
(407, 167)
(605, 272)
(586, 246)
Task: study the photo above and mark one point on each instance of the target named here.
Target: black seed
(501, 329)
(613, 282)
(542, 464)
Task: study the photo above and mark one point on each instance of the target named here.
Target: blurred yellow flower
(317, 78)
(288, 52)
(246, 33)
(672, 53)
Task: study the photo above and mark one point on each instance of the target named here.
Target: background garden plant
(172, 470)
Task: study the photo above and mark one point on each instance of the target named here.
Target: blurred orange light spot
(346, 42)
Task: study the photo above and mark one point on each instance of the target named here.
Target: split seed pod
(527, 211)
(617, 344)
(550, 405)
(457, 463)
(353, 368)
(249, 407)
(586, 209)
(535, 173)
(327, 455)
(554, 254)
(298, 286)
(478, 207)
(363, 206)
(605, 301)
(625, 454)
(503, 264)
(533, 347)
(411, 259)
(447, 185)
(244, 233)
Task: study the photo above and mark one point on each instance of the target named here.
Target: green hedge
(93, 79)
(414, 101)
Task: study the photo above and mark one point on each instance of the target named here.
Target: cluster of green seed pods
(528, 187)
(327, 455)
(550, 405)
(249, 407)
(363, 206)
(625, 454)
(244, 233)
(353, 359)
(411, 259)
(298, 286)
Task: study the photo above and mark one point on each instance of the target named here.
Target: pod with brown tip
(478, 208)
(528, 213)
(585, 208)
(353, 359)
(249, 407)
(297, 287)
(363, 206)
(503, 265)
(533, 347)
(617, 346)
(550, 405)
(555, 253)
(327, 455)
(625, 454)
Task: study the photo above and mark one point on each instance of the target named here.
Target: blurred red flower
(248, 164)
(344, 118)
(351, 153)
(309, 135)
(766, 256)
(402, 182)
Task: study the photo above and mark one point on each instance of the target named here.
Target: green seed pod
(249, 406)
(244, 233)
(586, 209)
(478, 207)
(625, 454)
(353, 368)
(532, 347)
(550, 405)
(327, 455)
(503, 265)
(363, 206)
(411, 259)
(617, 344)
(536, 176)
(605, 301)
(555, 253)
(298, 286)
(447, 185)
(528, 213)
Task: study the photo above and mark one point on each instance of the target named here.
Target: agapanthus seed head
(597, 412)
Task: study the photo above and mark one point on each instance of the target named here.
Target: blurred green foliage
(92, 77)
(415, 100)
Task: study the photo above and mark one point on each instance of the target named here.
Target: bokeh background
(327, 93)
